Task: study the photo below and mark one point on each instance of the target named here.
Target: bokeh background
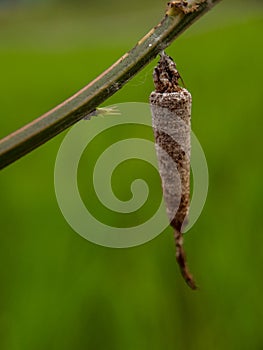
(59, 291)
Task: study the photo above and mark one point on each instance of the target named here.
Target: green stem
(42, 129)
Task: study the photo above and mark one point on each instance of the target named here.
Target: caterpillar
(171, 121)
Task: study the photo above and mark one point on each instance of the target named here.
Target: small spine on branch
(113, 110)
(171, 120)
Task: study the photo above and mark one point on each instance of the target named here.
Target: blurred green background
(59, 291)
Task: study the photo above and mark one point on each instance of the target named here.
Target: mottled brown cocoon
(171, 119)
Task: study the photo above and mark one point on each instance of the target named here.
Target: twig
(179, 15)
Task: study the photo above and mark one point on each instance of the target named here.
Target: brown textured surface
(171, 118)
(165, 75)
(171, 114)
(175, 7)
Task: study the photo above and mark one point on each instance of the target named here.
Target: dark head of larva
(165, 75)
